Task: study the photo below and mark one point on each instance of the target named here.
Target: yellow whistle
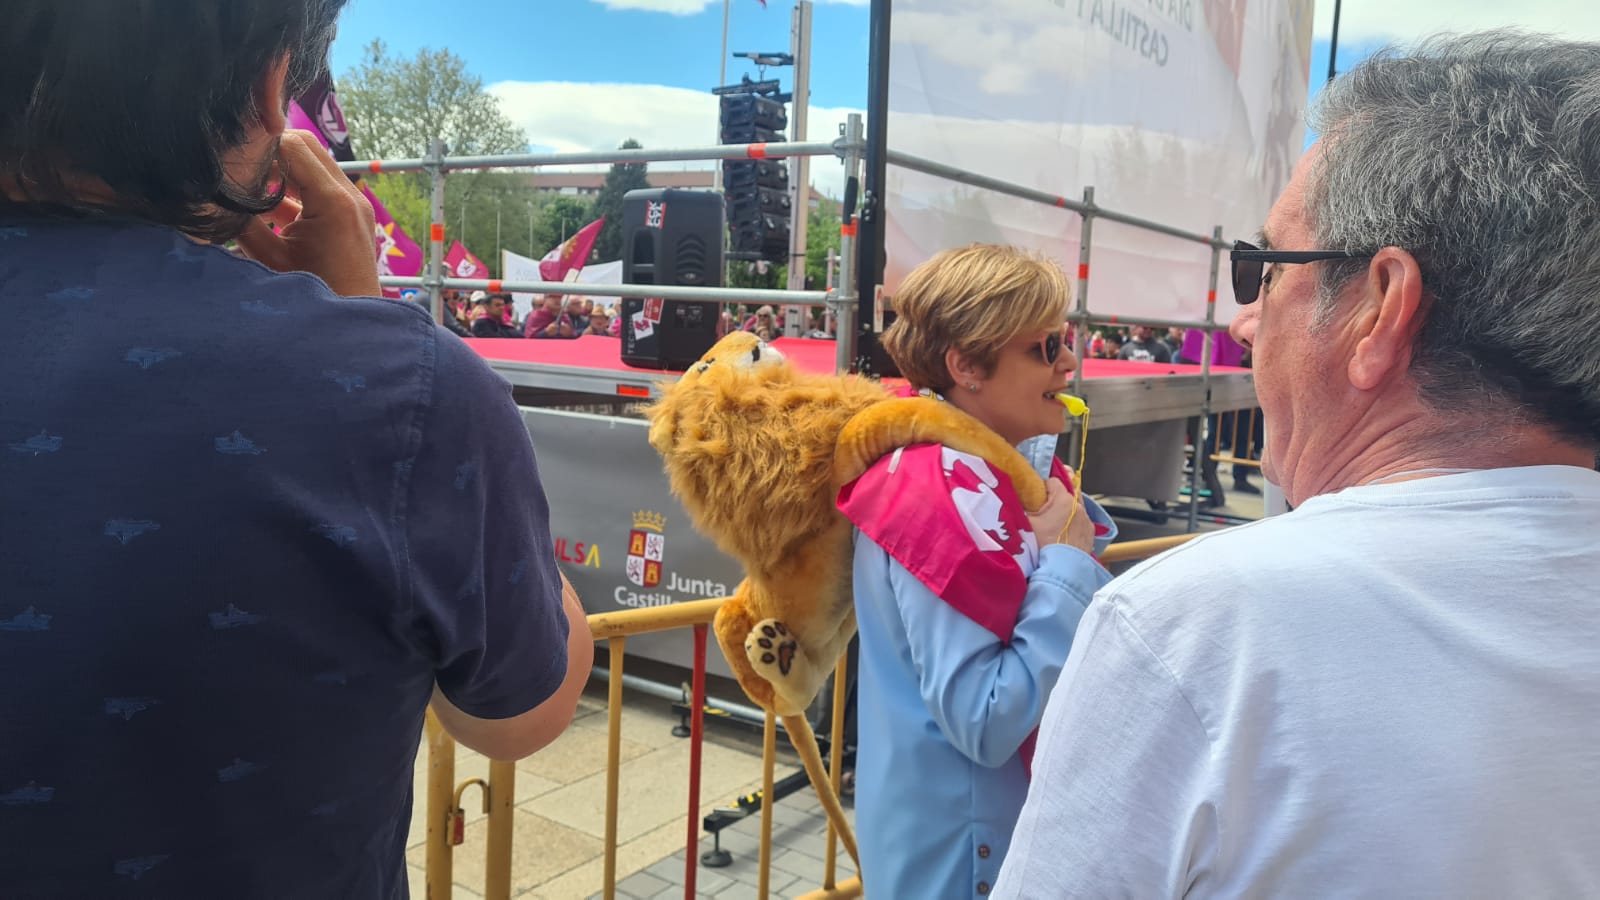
(1075, 405)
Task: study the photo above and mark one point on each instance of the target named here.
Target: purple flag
(397, 253)
(317, 110)
(1224, 351)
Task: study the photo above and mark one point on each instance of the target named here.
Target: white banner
(515, 267)
(1185, 112)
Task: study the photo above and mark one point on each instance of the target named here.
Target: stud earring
(972, 387)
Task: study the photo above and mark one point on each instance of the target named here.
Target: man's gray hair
(1480, 155)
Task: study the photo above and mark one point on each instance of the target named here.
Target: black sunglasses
(1050, 346)
(1249, 265)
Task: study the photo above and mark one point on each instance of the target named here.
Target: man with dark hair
(253, 520)
(489, 316)
(1396, 695)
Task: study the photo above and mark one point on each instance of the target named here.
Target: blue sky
(516, 40)
(584, 74)
(584, 40)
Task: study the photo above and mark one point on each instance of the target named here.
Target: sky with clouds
(586, 74)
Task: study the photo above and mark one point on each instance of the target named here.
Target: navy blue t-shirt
(245, 527)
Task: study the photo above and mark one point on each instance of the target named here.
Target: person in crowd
(420, 300)
(1144, 347)
(1174, 341)
(765, 325)
(1225, 351)
(1393, 695)
(489, 313)
(599, 321)
(966, 602)
(1111, 347)
(550, 319)
(1247, 430)
(254, 519)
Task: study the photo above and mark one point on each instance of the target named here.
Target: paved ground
(799, 849)
(560, 800)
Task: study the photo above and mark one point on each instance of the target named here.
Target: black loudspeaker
(870, 346)
(670, 237)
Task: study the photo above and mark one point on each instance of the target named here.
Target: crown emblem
(649, 521)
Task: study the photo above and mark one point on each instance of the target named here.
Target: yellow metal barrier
(1130, 551)
(441, 799)
(1232, 456)
(616, 627)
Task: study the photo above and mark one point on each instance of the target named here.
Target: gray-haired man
(1399, 693)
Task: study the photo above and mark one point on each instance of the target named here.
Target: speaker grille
(689, 260)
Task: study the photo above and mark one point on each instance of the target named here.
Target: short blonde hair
(975, 300)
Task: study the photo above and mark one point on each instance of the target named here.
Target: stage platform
(1120, 392)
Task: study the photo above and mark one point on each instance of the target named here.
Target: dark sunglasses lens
(1246, 280)
(1246, 275)
(1052, 348)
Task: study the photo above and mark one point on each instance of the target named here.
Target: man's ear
(1391, 314)
(271, 98)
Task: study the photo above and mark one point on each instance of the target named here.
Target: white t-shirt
(1393, 691)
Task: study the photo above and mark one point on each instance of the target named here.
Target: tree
(622, 178)
(762, 275)
(401, 196)
(396, 107)
(822, 235)
(559, 218)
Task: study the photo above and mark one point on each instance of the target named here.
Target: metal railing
(1233, 451)
(444, 811)
(1089, 211)
(437, 165)
(843, 300)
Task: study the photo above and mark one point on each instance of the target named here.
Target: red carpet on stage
(596, 352)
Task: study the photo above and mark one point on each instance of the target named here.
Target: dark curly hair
(147, 96)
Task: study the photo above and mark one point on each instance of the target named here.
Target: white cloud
(1005, 78)
(1364, 20)
(570, 117)
(671, 7)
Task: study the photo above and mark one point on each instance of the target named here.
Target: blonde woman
(966, 602)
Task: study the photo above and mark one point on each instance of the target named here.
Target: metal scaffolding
(855, 299)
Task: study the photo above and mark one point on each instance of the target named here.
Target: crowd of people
(482, 314)
(246, 546)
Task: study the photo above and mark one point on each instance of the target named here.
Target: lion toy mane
(757, 452)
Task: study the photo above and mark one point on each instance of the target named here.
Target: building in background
(588, 184)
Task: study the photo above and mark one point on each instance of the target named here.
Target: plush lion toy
(757, 452)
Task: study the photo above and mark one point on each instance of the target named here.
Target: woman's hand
(1051, 521)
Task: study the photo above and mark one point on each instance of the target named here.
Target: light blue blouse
(943, 708)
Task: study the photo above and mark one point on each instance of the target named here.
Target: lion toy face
(738, 352)
(748, 443)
